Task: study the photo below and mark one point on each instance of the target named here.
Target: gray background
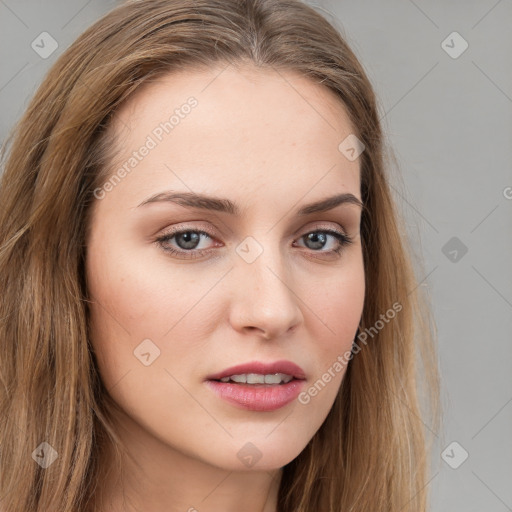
(449, 122)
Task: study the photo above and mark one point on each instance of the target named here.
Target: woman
(208, 302)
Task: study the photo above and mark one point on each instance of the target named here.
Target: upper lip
(286, 367)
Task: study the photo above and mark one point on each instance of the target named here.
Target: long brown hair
(371, 453)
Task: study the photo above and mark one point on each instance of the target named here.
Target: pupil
(190, 239)
(315, 237)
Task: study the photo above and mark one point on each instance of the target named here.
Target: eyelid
(343, 240)
(299, 233)
(324, 225)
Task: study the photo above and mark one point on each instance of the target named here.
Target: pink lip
(286, 367)
(259, 397)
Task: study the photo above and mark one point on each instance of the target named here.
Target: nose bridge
(261, 261)
(266, 299)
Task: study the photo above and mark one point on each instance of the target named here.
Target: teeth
(273, 379)
(255, 378)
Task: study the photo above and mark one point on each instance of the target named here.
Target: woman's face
(182, 289)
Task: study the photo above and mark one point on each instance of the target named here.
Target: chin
(259, 454)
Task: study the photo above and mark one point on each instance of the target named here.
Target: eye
(318, 239)
(185, 243)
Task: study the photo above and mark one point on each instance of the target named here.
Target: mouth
(256, 379)
(256, 372)
(259, 386)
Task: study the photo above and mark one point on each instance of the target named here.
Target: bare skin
(270, 148)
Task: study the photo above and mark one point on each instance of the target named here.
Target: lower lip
(257, 397)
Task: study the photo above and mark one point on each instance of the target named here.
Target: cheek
(133, 300)
(338, 307)
(339, 304)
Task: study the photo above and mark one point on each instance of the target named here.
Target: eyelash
(343, 241)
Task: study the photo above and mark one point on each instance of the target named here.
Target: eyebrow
(205, 202)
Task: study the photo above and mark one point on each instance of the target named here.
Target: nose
(264, 303)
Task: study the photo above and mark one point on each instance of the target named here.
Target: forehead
(249, 128)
